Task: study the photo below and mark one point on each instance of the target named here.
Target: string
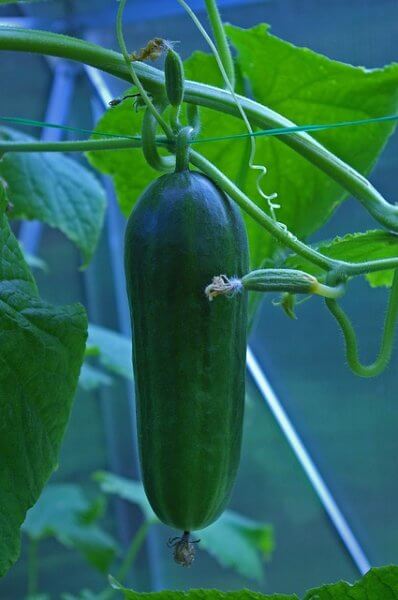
(260, 133)
(41, 124)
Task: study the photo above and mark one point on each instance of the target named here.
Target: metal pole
(58, 107)
(324, 494)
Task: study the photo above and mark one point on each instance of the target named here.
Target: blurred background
(319, 452)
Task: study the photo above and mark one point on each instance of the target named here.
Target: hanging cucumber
(189, 353)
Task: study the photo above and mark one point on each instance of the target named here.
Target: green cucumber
(188, 353)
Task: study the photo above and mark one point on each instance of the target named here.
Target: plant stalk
(352, 355)
(52, 44)
(221, 40)
(33, 567)
(130, 557)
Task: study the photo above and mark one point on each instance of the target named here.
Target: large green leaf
(204, 594)
(41, 351)
(61, 513)
(355, 247)
(377, 584)
(234, 541)
(303, 86)
(307, 87)
(57, 190)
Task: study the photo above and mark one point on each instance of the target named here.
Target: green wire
(263, 132)
(41, 124)
(297, 128)
(350, 340)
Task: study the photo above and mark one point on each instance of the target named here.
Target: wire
(262, 132)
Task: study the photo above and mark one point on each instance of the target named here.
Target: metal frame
(157, 9)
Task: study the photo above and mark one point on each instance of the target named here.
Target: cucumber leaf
(61, 513)
(355, 247)
(309, 88)
(199, 594)
(56, 190)
(378, 584)
(114, 350)
(41, 351)
(300, 84)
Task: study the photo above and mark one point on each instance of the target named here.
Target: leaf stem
(130, 557)
(350, 340)
(249, 207)
(33, 566)
(221, 40)
(71, 146)
(52, 44)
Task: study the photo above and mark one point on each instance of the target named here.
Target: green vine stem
(281, 234)
(182, 148)
(221, 40)
(350, 269)
(350, 340)
(52, 44)
(130, 557)
(149, 146)
(75, 146)
(33, 567)
(136, 80)
(260, 168)
(193, 118)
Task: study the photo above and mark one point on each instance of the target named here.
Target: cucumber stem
(183, 149)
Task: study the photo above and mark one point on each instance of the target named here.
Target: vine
(158, 91)
(109, 61)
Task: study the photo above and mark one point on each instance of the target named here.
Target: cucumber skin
(189, 354)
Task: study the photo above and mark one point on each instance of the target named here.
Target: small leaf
(92, 378)
(127, 489)
(355, 247)
(34, 262)
(56, 190)
(114, 350)
(239, 543)
(61, 513)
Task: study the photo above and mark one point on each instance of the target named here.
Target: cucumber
(188, 353)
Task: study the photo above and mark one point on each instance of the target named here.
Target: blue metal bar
(57, 110)
(136, 11)
(115, 234)
(324, 494)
